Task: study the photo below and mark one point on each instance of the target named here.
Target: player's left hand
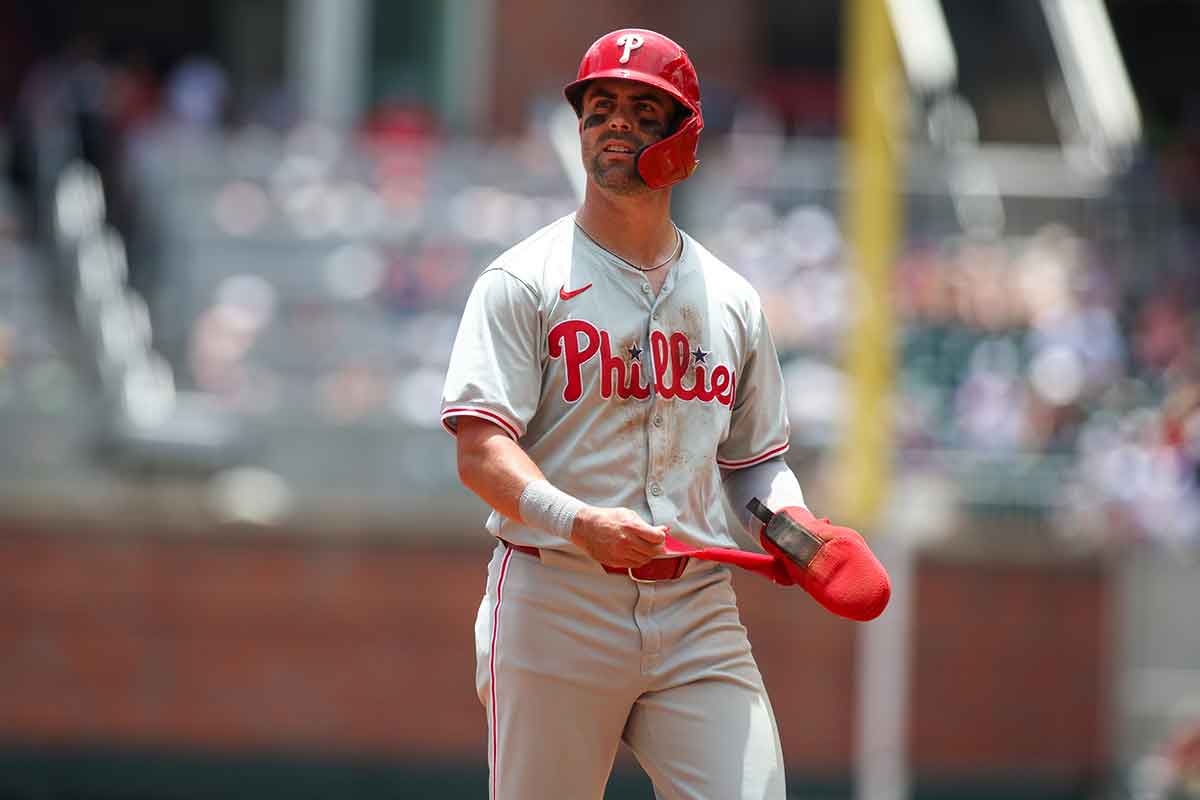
(843, 575)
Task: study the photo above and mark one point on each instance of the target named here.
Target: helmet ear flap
(672, 159)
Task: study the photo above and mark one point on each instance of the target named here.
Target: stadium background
(235, 560)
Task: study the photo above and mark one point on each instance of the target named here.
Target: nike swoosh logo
(565, 295)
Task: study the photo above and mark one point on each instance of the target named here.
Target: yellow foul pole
(873, 92)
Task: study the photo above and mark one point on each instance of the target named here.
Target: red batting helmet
(651, 58)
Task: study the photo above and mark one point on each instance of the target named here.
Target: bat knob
(764, 514)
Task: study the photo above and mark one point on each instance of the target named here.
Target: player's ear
(679, 115)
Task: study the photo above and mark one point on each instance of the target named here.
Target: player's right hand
(617, 537)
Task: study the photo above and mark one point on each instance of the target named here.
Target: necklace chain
(674, 251)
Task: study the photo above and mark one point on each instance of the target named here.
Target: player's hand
(617, 537)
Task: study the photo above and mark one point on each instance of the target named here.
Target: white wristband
(553, 510)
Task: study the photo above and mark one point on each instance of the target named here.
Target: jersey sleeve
(758, 428)
(495, 366)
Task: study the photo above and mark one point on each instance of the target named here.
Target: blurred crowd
(82, 101)
(292, 269)
(1035, 344)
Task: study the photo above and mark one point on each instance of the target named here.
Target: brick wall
(239, 645)
(1012, 666)
(366, 649)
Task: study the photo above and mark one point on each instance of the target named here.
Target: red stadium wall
(1012, 667)
(247, 645)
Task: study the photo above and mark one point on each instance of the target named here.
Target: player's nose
(619, 121)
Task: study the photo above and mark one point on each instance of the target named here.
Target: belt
(658, 569)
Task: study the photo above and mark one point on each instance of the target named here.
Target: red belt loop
(658, 569)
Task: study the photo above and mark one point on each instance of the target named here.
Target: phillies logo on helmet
(631, 42)
(577, 341)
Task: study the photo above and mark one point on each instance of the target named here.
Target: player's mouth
(620, 148)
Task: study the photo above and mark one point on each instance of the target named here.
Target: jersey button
(645, 288)
(655, 489)
(658, 420)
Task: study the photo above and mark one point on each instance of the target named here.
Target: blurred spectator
(1183, 756)
(399, 125)
(808, 104)
(1172, 772)
(1164, 330)
(135, 94)
(196, 94)
(1180, 163)
(62, 111)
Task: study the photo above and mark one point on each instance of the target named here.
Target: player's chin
(618, 175)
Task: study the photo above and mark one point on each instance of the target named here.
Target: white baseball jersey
(621, 398)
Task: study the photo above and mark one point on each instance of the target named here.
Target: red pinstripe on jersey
(490, 416)
(492, 668)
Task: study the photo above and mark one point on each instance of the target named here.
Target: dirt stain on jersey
(680, 458)
(692, 325)
(633, 422)
(689, 321)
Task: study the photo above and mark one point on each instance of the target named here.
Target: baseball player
(616, 396)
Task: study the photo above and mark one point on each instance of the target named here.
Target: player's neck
(637, 228)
